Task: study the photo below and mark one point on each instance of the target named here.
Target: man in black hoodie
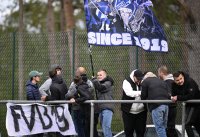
(58, 90)
(185, 88)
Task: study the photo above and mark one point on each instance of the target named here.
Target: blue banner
(124, 23)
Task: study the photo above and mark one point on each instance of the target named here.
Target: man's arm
(72, 91)
(129, 90)
(144, 92)
(190, 92)
(45, 87)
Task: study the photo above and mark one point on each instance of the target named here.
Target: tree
(70, 26)
(51, 35)
(191, 16)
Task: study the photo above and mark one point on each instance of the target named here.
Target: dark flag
(124, 23)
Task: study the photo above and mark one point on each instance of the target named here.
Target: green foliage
(167, 11)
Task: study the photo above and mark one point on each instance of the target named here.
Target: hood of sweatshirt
(108, 78)
(132, 74)
(169, 77)
(57, 79)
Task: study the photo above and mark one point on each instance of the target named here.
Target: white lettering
(126, 39)
(109, 39)
(91, 38)
(116, 39)
(145, 43)
(105, 38)
(155, 45)
(98, 38)
(164, 46)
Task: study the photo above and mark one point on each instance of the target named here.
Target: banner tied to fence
(124, 23)
(28, 119)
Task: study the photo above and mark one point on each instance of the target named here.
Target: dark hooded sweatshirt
(189, 90)
(58, 88)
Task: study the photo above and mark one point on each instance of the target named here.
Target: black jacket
(104, 90)
(82, 93)
(169, 80)
(58, 88)
(189, 90)
(154, 89)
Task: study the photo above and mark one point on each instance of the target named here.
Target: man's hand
(43, 98)
(72, 100)
(174, 98)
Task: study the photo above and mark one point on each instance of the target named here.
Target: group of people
(80, 90)
(147, 86)
(138, 86)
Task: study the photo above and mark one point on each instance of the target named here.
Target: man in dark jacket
(58, 90)
(77, 113)
(168, 78)
(134, 114)
(155, 89)
(104, 86)
(32, 91)
(82, 94)
(185, 88)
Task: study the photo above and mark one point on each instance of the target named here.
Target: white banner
(27, 119)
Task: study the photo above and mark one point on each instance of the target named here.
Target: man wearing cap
(45, 87)
(32, 91)
(32, 88)
(134, 114)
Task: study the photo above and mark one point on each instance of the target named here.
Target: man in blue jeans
(155, 89)
(104, 86)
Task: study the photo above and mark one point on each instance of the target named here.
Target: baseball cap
(138, 74)
(35, 73)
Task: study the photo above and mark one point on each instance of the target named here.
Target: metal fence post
(92, 120)
(73, 53)
(183, 119)
(13, 65)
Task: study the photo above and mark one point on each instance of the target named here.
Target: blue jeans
(106, 120)
(78, 119)
(160, 116)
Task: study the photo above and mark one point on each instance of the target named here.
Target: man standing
(79, 119)
(104, 86)
(155, 89)
(45, 87)
(32, 91)
(168, 78)
(185, 88)
(134, 114)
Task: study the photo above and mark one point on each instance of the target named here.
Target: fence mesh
(21, 53)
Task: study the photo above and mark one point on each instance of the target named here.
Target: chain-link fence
(21, 53)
